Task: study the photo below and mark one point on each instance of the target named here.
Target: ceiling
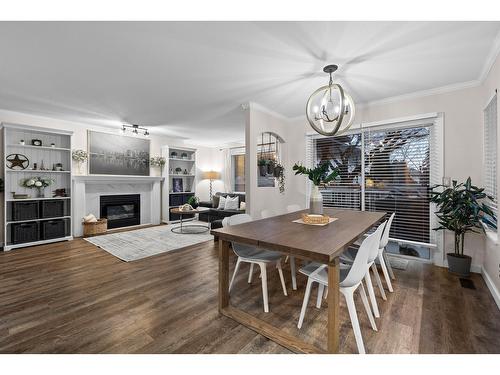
(188, 79)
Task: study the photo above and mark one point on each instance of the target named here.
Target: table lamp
(211, 175)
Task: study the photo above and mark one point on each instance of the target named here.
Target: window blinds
(382, 169)
(490, 149)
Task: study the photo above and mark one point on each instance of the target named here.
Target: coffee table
(190, 228)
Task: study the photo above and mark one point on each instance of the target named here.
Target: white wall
(260, 120)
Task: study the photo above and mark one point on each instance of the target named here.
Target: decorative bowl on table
(315, 219)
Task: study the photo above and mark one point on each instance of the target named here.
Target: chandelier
(134, 129)
(330, 110)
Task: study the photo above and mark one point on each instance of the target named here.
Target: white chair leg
(354, 321)
(293, 273)
(326, 292)
(236, 268)
(371, 293)
(321, 289)
(280, 271)
(250, 273)
(263, 274)
(286, 259)
(386, 273)
(378, 281)
(367, 307)
(305, 302)
(388, 264)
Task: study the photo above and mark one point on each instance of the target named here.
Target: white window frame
(433, 120)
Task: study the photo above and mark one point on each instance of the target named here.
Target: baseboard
(476, 268)
(491, 286)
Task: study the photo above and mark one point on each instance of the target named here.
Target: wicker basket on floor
(98, 227)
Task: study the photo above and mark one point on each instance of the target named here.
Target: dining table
(319, 243)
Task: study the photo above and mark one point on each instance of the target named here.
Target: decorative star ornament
(17, 161)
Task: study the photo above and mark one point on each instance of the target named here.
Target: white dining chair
(382, 256)
(293, 208)
(351, 277)
(267, 213)
(254, 255)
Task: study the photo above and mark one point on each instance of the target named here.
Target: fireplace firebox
(121, 210)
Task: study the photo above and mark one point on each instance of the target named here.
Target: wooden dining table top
(313, 242)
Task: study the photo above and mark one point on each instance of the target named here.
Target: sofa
(219, 214)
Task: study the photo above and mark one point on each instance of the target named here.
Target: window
(490, 149)
(238, 169)
(384, 169)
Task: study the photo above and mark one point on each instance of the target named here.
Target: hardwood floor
(73, 297)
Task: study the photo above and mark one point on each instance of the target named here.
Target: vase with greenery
(39, 183)
(460, 208)
(80, 156)
(157, 162)
(193, 201)
(322, 174)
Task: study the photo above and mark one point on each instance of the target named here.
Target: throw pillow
(215, 201)
(232, 203)
(222, 203)
(243, 206)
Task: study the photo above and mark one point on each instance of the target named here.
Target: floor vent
(467, 283)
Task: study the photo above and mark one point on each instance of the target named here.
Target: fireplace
(121, 210)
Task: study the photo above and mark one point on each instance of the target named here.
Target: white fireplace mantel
(88, 189)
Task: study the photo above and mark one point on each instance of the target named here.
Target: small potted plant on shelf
(39, 183)
(193, 201)
(279, 173)
(80, 156)
(324, 173)
(459, 209)
(178, 170)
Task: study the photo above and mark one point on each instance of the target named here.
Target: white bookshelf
(47, 155)
(185, 160)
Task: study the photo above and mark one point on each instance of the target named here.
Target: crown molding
(261, 108)
(490, 60)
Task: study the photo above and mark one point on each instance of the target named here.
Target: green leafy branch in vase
(323, 173)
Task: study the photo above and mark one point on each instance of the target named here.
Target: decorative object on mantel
(20, 196)
(460, 208)
(80, 156)
(36, 142)
(118, 155)
(330, 110)
(157, 161)
(39, 183)
(322, 174)
(17, 161)
(211, 175)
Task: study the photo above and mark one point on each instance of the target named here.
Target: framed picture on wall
(177, 185)
(115, 154)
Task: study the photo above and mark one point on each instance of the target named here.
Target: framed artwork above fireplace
(120, 155)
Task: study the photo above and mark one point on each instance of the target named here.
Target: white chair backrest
(267, 213)
(359, 266)
(385, 236)
(293, 208)
(238, 248)
(236, 219)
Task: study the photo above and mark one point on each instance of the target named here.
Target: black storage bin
(53, 229)
(51, 208)
(24, 210)
(24, 232)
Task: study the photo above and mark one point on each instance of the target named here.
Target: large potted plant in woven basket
(459, 209)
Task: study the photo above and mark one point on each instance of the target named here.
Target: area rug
(143, 243)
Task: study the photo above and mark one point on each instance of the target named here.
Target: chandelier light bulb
(330, 110)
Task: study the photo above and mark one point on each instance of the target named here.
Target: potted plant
(157, 161)
(261, 163)
(279, 173)
(80, 156)
(178, 170)
(193, 201)
(39, 183)
(459, 209)
(324, 173)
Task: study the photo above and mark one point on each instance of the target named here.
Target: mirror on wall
(269, 159)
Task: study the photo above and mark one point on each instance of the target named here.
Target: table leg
(333, 306)
(223, 274)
